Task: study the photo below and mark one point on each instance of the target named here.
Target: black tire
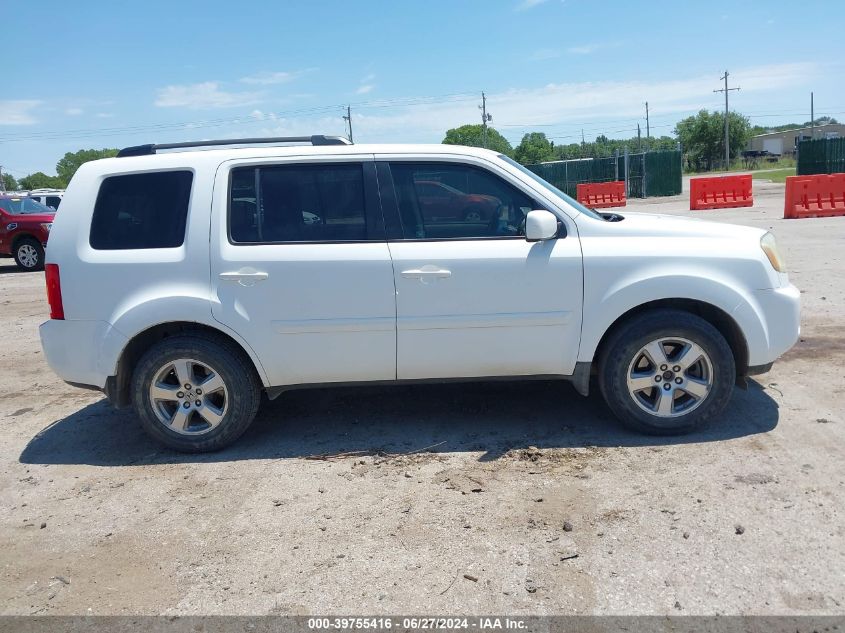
(625, 343)
(243, 392)
(474, 214)
(39, 254)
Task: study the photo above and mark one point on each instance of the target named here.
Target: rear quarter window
(137, 211)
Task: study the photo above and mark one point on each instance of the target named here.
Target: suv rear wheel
(193, 394)
(29, 254)
(666, 372)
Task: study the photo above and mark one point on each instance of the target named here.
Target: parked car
(48, 197)
(171, 294)
(24, 228)
(442, 202)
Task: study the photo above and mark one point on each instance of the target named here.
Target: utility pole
(812, 119)
(639, 140)
(647, 129)
(348, 119)
(484, 119)
(726, 90)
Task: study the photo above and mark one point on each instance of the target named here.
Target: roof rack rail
(314, 139)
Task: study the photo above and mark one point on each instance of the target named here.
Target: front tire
(194, 394)
(29, 255)
(666, 372)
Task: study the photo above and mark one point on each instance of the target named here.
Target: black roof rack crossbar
(314, 139)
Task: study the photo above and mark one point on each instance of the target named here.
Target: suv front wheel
(194, 394)
(666, 372)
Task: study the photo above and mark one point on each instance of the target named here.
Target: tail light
(54, 291)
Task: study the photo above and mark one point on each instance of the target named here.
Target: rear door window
(136, 211)
(300, 203)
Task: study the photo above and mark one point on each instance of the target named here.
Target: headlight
(770, 248)
(47, 226)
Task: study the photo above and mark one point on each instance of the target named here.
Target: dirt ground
(519, 498)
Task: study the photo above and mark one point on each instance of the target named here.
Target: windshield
(18, 206)
(550, 187)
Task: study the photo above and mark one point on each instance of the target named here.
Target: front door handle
(244, 278)
(427, 273)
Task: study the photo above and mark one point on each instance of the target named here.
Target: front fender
(604, 308)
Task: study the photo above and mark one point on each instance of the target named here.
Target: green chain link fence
(649, 173)
(821, 156)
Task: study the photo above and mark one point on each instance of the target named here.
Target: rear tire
(666, 372)
(194, 394)
(29, 254)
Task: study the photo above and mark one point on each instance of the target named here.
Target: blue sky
(110, 74)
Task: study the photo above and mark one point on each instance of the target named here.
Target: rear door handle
(244, 278)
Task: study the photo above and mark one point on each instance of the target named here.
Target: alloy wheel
(28, 255)
(188, 396)
(670, 377)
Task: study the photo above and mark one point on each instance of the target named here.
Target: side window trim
(373, 214)
(390, 204)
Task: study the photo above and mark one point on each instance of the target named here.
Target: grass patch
(778, 175)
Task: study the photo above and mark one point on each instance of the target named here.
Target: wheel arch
(714, 315)
(19, 237)
(118, 385)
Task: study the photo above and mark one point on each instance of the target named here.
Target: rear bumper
(82, 352)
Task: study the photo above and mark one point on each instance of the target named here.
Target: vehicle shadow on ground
(10, 268)
(489, 418)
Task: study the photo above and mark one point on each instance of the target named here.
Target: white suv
(186, 282)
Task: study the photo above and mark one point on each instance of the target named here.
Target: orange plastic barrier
(721, 192)
(818, 196)
(600, 195)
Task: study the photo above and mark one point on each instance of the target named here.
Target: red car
(439, 201)
(24, 228)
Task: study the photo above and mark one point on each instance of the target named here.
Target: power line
(250, 119)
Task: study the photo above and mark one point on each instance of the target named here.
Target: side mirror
(540, 225)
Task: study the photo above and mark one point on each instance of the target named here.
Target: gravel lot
(519, 498)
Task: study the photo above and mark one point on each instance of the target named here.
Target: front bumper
(83, 352)
(779, 312)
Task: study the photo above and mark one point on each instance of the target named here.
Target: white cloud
(561, 110)
(559, 105)
(543, 54)
(367, 84)
(74, 111)
(270, 78)
(18, 112)
(588, 49)
(529, 4)
(203, 96)
(104, 115)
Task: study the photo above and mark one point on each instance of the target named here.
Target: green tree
(40, 180)
(534, 148)
(9, 182)
(70, 162)
(702, 137)
(472, 135)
